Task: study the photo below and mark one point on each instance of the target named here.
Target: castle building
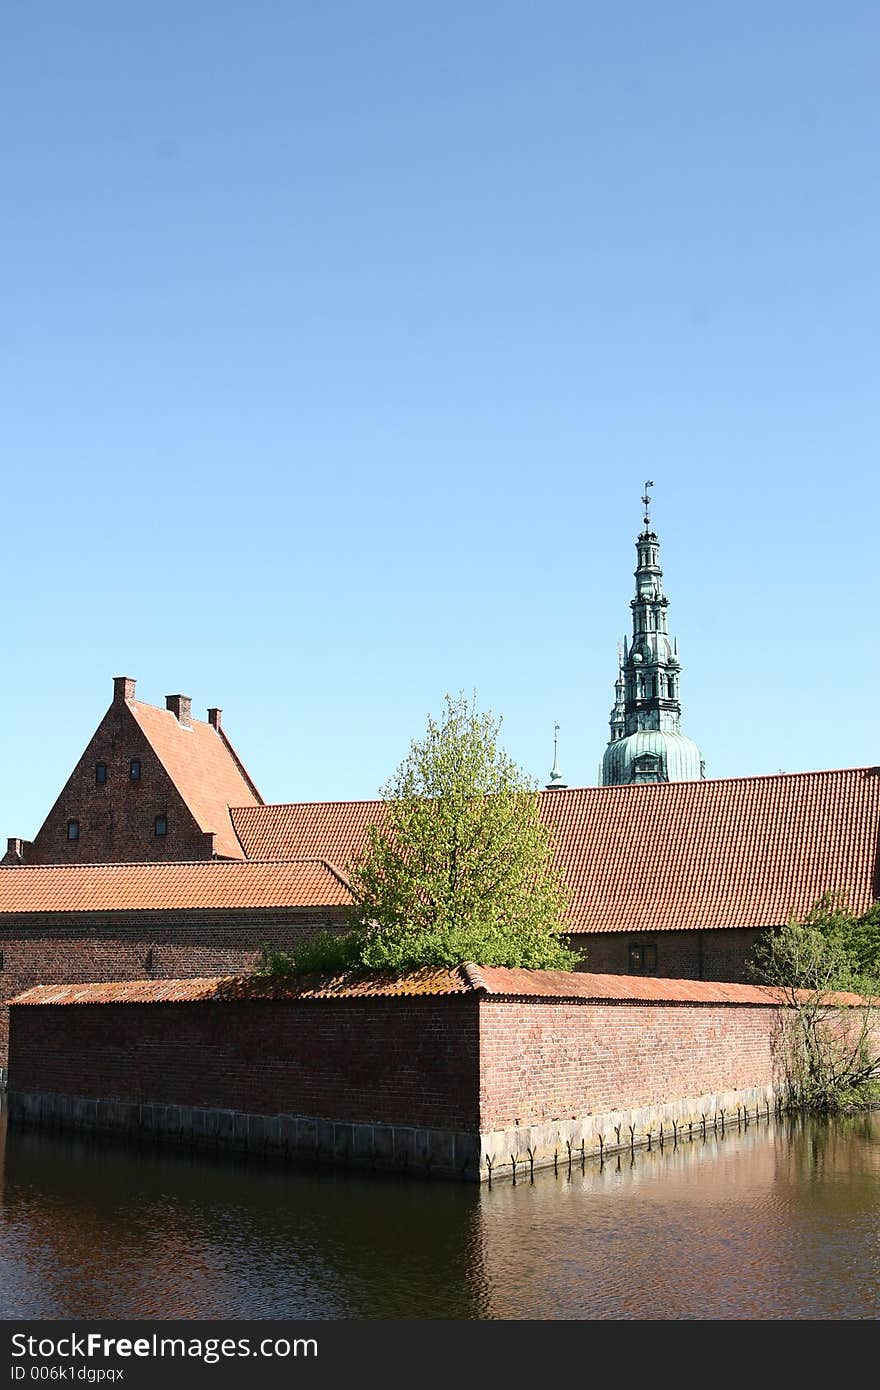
(646, 743)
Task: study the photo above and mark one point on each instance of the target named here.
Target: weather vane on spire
(647, 502)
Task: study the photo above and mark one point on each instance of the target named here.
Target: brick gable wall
(117, 820)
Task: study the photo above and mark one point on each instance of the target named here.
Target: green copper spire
(646, 743)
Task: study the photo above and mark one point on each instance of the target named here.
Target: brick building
(160, 860)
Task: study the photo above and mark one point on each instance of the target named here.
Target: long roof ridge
(115, 865)
(568, 792)
(351, 801)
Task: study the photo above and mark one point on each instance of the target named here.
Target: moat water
(780, 1220)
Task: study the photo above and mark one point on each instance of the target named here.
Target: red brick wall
(99, 947)
(117, 820)
(712, 954)
(550, 1061)
(390, 1061)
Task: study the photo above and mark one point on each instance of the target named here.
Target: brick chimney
(14, 850)
(123, 688)
(181, 707)
(214, 718)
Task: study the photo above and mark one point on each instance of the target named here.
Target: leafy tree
(830, 1051)
(462, 867)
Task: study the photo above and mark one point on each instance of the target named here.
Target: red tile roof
(211, 883)
(739, 852)
(338, 827)
(205, 769)
(230, 988)
(490, 981)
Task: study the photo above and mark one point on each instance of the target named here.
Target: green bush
(328, 953)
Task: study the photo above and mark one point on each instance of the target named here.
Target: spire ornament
(556, 783)
(646, 742)
(646, 501)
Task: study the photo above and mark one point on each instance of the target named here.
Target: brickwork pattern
(542, 1062)
(686, 955)
(117, 819)
(411, 1062)
(59, 950)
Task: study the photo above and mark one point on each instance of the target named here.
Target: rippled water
(777, 1221)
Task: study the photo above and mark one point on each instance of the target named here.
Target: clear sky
(339, 338)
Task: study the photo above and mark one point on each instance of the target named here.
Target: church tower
(646, 743)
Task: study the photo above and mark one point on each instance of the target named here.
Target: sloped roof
(737, 852)
(299, 828)
(209, 883)
(232, 988)
(464, 979)
(204, 767)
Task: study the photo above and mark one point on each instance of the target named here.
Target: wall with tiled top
(136, 946)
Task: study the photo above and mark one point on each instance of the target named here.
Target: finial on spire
(647, 504)
(556, 783)
(620, 658)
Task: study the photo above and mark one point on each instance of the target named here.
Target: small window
(643, 960)
(161, 825)
(100, 774)
(134, 770)
(73, 830)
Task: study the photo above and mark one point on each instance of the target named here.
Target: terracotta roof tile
(738, 852)
(205, 769)
(466, 979)
(232, 988)
(211, 883)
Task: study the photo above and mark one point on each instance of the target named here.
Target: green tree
(829, 1051)
(462, 868)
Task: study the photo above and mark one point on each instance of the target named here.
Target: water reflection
(773, 1221)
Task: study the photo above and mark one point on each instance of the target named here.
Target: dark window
(134, 770)
(100, 773)
(161, 825)
(643, 960)
(73, 830)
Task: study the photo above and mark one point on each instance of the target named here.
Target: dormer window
(73, 830)
(100, 774)
(134, 770)
(161, 825)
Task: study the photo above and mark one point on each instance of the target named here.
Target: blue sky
(338, 340)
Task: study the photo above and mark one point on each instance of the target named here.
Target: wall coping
(491, 982)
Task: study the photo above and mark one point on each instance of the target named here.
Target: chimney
(214, 718)
(14, 851)
(181, 707)
(123, 688)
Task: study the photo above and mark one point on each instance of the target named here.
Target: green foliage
(461, 871)
(326, 952)
(830, 1054)
(463, 867)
